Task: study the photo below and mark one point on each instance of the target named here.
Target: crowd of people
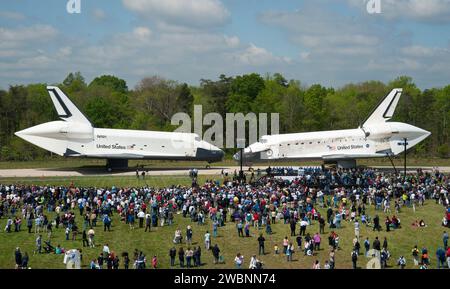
(343, 194)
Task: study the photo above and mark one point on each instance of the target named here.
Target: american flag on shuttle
(331, 148)
(131, 147)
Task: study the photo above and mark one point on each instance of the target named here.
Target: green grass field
(109, 181)
(59, 162)
(159, 241)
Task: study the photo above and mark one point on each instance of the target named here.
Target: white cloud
(322, 30)
(429, 11)
(99, 14)
(13, 37)
(12, 15)
(195, 13)
(423, 51)
(142, 33)
(258, 56)
(338, 48)
(232, 41)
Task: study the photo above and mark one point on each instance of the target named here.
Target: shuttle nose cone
(23, 134)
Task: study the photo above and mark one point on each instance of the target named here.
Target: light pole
(404, 144)
(241, 146)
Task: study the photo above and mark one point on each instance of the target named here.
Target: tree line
(108, 102)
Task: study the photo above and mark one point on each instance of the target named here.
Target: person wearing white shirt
(357, 229)
(253, 262)
(106, 250)
(141, 216)
(207, 240)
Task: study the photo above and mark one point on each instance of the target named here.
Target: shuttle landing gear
(343, 164)
(113, 164)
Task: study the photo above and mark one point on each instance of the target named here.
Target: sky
(330, 42)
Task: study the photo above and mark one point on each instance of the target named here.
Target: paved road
(70, 172)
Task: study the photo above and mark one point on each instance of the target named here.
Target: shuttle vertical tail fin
(66, 109)
(385, 109)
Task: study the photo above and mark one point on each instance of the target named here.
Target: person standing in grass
(9, 223)
(445, 240)
(141, 216)
(38, 244)
(299, 240)
(25, 260)
(131, 219)
(189, 235)
(67, 233)
(356, 224)
(154, 262)
(29, 224)
(207, 240)
(447, 255)
(367, 246)
(216, 253)
(172, 255)
(332, 259)
(91, 235)
(354, 258)
(85, 239)
(126, 260)
(317, 239)
(106, 223)
(239, 227)
(376, 223)
(261, 241)
(215, 225)
(440, 258)
(321, 225)
(106, 250)
(401, 262)
(290, 252)
(189, 254)
(376, 244)
(148, 222)
(415, 254)
(18, 258)
(292, 225)
(181, 257)
(247, 229)
(238, 260)
(316, 265)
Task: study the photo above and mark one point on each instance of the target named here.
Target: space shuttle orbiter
(74, 136)
(376, 137)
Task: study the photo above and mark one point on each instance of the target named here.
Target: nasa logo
(367, 145)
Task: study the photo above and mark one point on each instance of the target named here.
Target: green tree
(185, 99)
(244, 90)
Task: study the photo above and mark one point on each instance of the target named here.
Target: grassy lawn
(58, 162)
(159, 241)
(108, 181)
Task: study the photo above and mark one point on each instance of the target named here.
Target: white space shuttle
(376, 137)
(74, 136)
